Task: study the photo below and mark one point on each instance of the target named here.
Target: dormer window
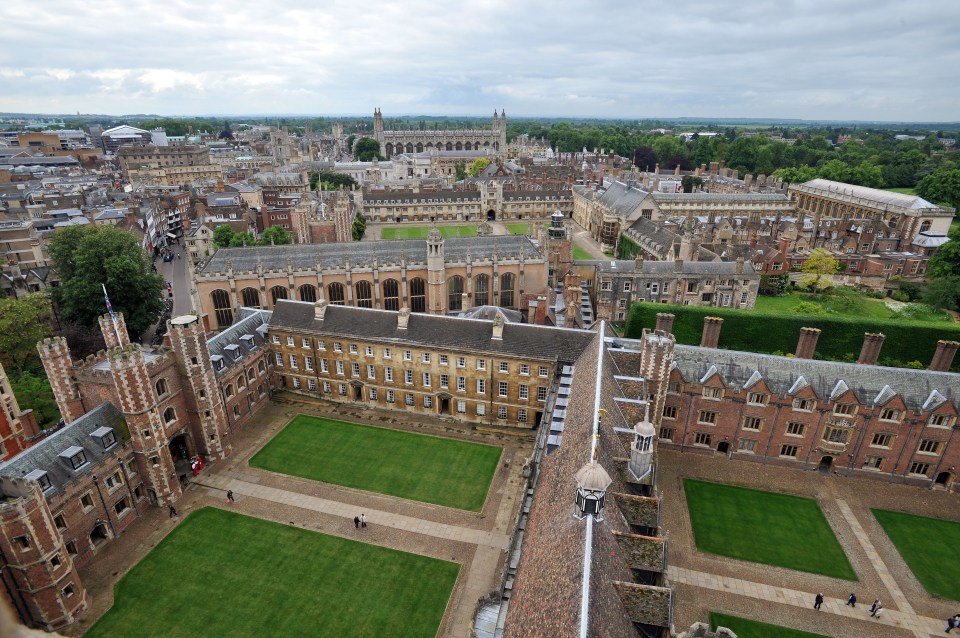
(233, 350)
(74, 456)
(248, 341)
(40, 477)
(106, 436)
(218, 363)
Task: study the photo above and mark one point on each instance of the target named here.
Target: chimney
(498, 327)
(711, 332)
(320, 309)
(807, 344)
(739, 265)
(403, 317)
(571, 313)
(943, 357)
(678, 265)
(872, 342)
(219, 185)
(665, 322)
(540, 317)
(464, 302)
(784, 245)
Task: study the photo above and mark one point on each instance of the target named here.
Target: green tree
(350, 140)
(367, 149)
(689, 182)
(943, 293)
(331, 181)
(477, 166)
(33, 393)
(359, 227)
(461, 171)
(819, 265)
(275, 236)
(796, 175)
(946, 261)
(23, 322)
(222, 235)
(239, 240)
(941, 187)
(88, 257)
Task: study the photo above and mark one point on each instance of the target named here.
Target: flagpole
(113, 317)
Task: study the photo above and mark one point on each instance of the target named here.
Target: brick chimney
(320, 309)
(540, 316)
(711, 332)
(872, 342)
(403, 318)
(665, 322)
(571, 313)
(807, 344)
(943, 357)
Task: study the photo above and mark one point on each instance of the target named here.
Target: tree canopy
(478, 165)
(818, 265)
(946, 261)
(359, 227)
(23, 322)
(331, 180)
(941, 187)
(225, 237)
(88, 257)
(366, 149)
(275, 236)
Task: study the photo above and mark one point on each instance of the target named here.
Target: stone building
(435, 276)
(17, 426)
(149, 155)
(113, 138)
(417, 141)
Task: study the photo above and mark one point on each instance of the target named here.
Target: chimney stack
(498, 327)
(403, 317)
(807, 344)
(665, 322)
(872, 342)
(943, 357)
(739, 266)
(320, 309)
(711, 332)
(540, 316)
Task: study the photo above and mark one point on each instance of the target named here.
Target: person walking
(873, 607)
(852, 601)
(356, 522)
(876, 609)
(951, 623)
(363, 520)
(817, 601)
(878, 612)
(230, 498)
(173, 511)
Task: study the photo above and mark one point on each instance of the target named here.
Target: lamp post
(96, 482)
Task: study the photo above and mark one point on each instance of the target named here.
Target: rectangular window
(605, 285)
(836, 435)
(279, 359)
(845, 409)
(707, 417)
(386, 353)
(276, 339)
(789, 450)
(311, 385)
(929, 447)
(626, 286)
(409, 399)
(702, 438)
(881, 440)
(795, 429)
(337, 346)
(481, 408)
(889, 414)
(804, 405)
(353, 348)
(305, 342)
(427, 380)
(670, 412)
(443, 360)
(752, 423)
(872, 462)
(524, 369)
(919, 468)
(339, 367)
(501, 412)
(461, 362)
(747, 445)
(308, 363)
(756, 398)
(461, 384)
(502, 388)
(673, 387)
(388, 374)
(78, 460)
(541, 394)
(481, 386)
(60, 522)
(461, 407)
(321, 345)
(713, 393)
(355, 369)
(373, 394)
(521, 416)
(327, 387)
(408, 377)
(390, 397)
(524, 392)
(941, 421)
(290, 341)
(368, 351)
(407, 355)
(481, 364)
(542, 372)
(504, 366)
(342, 389)
(666, 434)
(324, 366)
(426, 357)
(427, 401)
(371, 371)
(444, 381)
(86, 501)
(293, 361)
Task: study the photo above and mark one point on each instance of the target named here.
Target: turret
(436, 274)
(55, 355)
(641, 449)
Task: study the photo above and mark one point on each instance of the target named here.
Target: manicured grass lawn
(763, 527)
(753, 629)
(414, 466)
(223, 574)
(838, 305)
(905, 191)
(421, 232)
(929, 546)
(521, 229)
(580, 253)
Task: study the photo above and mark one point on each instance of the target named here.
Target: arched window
(241, 382)
(277, 293)
(455, 293)
(449, 146)
(308, 292)
(169, 415)
(363, 294)
(466, 146)
(335, 294)
(481, 290)
(419, 147)
(459, 146)
(507, 283)
(388, 151)
(260, 367)
(161, 387)
(391, 295)
(250, 297)
(222, 307)
(228, 391)
(409, 147)
(418, 295)
(250, 374)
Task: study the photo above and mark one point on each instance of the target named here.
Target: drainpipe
(96, 482)
(133, 499)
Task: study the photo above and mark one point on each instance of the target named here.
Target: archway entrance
(944, 479)
(99, 534)
(357, 392)
(491, 215)
(723, 447)
(181, 451)
(825, 464)
(444, 404)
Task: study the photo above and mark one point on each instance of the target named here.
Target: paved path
(345, 510)
(921, 626)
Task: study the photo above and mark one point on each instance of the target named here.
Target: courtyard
(224, 574)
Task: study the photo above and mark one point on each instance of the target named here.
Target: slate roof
(622, 199)
(332, 255)
(247, 323)
(45, 454)
(915, 387)
(655, 232)
(720, 197)
(876, 195)
(669, 267)
(442, 333)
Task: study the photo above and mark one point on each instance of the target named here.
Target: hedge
(840, 340)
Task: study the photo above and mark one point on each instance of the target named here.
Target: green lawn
(521, 229)
(905, 191)
(753, 629)
(223, 574)
(580, 253)
(929, 546)
(847, 305)
(763, 527)
(421, 232)
(414, 466)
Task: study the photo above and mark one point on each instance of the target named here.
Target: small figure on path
(878, 612)
(951, 623)
(852, 601)
(873, 607)
(877, 608)
(230, 498)
(817, 601)
(363, 520)
(173, 511)
(356, 522)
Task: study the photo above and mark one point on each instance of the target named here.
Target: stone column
(807, 344)
(943, 357)
(665, 322)
(872, 342)
(711, 332)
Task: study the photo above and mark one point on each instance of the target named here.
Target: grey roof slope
(623, 199)
(654, 231)
(306, 256)
(648, 267)
(442, 333)
(248, 320)
(780, 374)
(719, 197)
(45, 454)
(874, 194)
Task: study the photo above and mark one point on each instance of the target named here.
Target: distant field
(905, 191)
(421, 232)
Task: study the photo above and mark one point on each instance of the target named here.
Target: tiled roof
(745, 198)
(442, 333)
(623, 199)
(45, 455)
(332, 255)
(875, 195)
(248, 320)
(611, 266)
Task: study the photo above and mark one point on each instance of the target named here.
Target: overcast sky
(830, 59)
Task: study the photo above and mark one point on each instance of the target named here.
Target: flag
(107, 299)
